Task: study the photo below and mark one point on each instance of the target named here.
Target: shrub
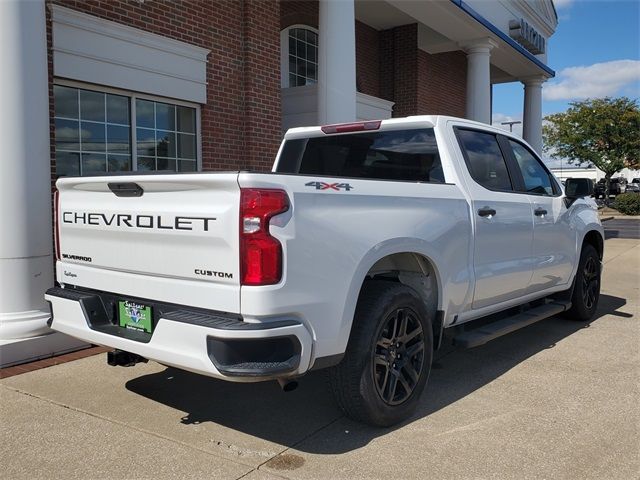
(627, 203)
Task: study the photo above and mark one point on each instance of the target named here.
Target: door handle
(486, 212)
(539, 212)
(126, 189)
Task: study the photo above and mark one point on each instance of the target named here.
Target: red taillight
(260, 253)
(56, 228)
(351, 127)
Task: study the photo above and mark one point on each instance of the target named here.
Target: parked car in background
(634, 186)
(616, 187)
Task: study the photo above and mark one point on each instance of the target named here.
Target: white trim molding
(300, 107)
(369, 107)
(94, 50)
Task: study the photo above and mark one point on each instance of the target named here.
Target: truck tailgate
(181, 231)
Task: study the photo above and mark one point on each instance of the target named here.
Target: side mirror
(578, 188)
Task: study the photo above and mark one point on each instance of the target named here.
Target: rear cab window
(401, 155)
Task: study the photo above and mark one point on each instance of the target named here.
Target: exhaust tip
(287, 385)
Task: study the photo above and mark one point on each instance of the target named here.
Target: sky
(595, 53)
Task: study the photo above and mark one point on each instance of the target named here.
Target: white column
(532, 121)
(337, 62)
(26, 264)
(479, 79)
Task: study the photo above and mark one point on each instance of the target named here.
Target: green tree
(604, 132)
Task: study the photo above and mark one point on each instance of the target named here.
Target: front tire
(388, 357)
(586, 289)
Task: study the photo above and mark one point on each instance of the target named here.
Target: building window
(300, 62)
(166, 136)
(96, 131)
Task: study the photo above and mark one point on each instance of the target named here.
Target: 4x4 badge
(329, 186)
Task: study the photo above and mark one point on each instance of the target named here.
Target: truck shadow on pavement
(308, 420)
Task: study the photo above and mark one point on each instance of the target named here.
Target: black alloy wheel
(586, 286)
(388, 357)
(398, 356)
(590, 283)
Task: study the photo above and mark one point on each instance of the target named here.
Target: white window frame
(133, 96)
(284, 52)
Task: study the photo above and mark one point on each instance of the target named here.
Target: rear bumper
(206, 342)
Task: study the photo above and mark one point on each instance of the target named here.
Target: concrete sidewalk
(558, 399)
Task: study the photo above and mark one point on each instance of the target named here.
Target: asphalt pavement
(556, 400)
(622, 228)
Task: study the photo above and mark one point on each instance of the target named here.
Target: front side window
(94, 133)
(537, 180)
(484, 159)
(302, 45)
(402, 155)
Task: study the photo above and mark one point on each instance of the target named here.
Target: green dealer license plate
(135, 316)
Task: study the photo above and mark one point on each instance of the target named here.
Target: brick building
(135, 85)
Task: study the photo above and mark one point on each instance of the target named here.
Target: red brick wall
(298, 12)
(262, 82)
(241, 119)
(367, 59)
(418, 82)
(399, 68)
(442, 83)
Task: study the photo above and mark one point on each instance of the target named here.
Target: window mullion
(175, 134)
(155, 137)
(198, 141)
(106, 139)
(134, 135)
(79, 135)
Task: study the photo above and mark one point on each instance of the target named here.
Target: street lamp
(511, 124)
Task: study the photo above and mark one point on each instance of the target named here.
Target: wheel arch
(594, 238)
(412, 263)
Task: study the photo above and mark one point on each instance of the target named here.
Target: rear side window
(484, 159)
(404, 155)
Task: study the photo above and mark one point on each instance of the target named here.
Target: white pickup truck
(364, 246)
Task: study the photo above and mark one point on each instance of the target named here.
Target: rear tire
(586, 289)
(388, 357)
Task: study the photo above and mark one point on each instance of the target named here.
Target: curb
(7, 372)
(607, 218)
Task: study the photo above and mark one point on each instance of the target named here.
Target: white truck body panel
(323, 288)
(142, 245)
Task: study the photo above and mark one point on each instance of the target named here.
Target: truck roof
(428, 121)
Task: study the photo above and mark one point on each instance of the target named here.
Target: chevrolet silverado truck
(364, 246)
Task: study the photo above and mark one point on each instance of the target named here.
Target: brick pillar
(399, 68)
(442, 83)
(420, 83)
(262, 130)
